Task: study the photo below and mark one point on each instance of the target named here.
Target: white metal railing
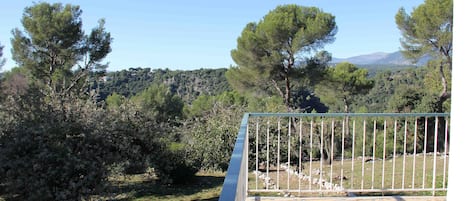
(338, 154)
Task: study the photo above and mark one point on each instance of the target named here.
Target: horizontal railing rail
(300, 154)
(349, 114)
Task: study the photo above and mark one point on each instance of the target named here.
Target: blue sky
(191, 34)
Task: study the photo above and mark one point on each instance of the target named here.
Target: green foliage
(204, 105)
(14, 82)
(193, 83)
(214, 124)
(342, 84)
(125, 82)
(200, 106)
(2, 60)
(115, 100)
(405, 99)
(268, 53)
(402, 91)
(374, 69)
(150, 143)
(211, 137)
(429, 30)
(54, 146)
(175, 164)
(52, 153)
(159, 102)
(386, 86)
(53, 44)
(186, 84)
(212, 129)
(435, 88)
(266, 104)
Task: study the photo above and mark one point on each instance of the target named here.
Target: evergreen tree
(341, 85)
(2, 60)
(55, 49)
(269, 52)
(428, 30)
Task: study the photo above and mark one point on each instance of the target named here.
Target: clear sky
(198, 34)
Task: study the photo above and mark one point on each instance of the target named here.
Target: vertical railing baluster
(246, 146)
(445, 154)
(268, 152)
(415, 152)
(332, 151)
(257, 152)
(435, 149)
(278, 153)
(353, 153)
(405, 153)
(299, 156)
(374, 154)
(310, 154)
(363, 153)
(394, 154)
(322, 154)
(384, 154)
(288, 154)
(343, 152)
(424, 153)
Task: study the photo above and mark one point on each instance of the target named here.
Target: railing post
(235, 185)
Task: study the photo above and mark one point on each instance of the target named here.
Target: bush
(150, 144)
(56, 153)
(64, 148)
(175, 164)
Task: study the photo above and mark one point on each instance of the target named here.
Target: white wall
(458, 177)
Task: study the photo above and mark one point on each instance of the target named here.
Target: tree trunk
(328, 160)
(346, 110)
(288, 94)
(327, 146)
(444, 95)
(287, 69)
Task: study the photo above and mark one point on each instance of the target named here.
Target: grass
(363, 175)
(204, 186)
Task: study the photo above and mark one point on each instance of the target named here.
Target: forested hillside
(373, 69)
(186, 84)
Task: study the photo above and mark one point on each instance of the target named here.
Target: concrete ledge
(385, 198)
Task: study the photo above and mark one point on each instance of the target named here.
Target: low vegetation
(141, 187)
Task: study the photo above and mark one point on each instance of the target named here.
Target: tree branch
(278, 88)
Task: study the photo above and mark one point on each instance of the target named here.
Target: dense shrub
(175, 164)
(56, 153)
(152, 143)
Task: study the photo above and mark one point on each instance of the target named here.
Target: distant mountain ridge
(381, 58)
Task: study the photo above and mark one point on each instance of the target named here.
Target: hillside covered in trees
(186, 84)
(391, 83)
